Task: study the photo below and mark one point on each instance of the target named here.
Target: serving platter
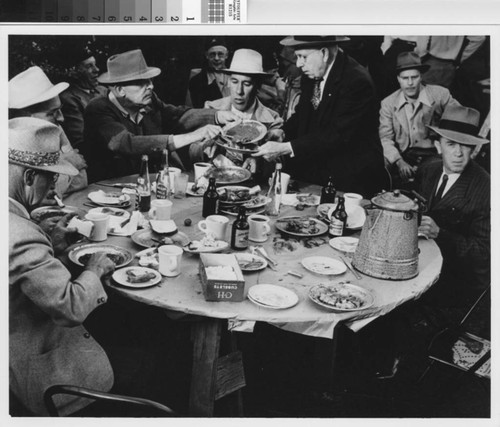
(245, 132)
(324, 265)
(120, 256)
(301, 226)
(272, 296)
(121, 277)
(342, 297)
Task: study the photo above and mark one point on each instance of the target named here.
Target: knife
(350, 267)
(272, 261)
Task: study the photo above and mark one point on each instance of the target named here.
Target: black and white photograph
(280, 222)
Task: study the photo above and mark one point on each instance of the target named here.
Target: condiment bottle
(338, 219)
(328, 192)
(240, 230)
(143, 200)
(274, 193)
(163, 187)
(210, 199)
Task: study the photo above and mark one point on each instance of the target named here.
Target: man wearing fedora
(47, 306)
(333, 131)
(210, 83)
(31, 94)
(82, 89)
(458, 216)
(131, 120)
(405, 115)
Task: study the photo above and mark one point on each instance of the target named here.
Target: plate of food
(345, 244)
(136, 277)
(244, 134)
(301, 226)
(195, 191)
(308, 199)
(323, 209)
(206, 245)
(110, 198)
(228, 174)
(45, 212)
(234, 195)
(80, 254)
(250, 262)
(272, 296)
(342, 296)
(356, 216)
(233, 210)
(324, 265)
(148, 238)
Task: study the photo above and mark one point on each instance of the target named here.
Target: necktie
(440, 191)
(316, 97)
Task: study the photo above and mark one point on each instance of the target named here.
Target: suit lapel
(332, 84)
(457, 191)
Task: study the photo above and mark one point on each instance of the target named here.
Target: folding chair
(156, 407)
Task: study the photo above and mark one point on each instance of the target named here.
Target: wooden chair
(155, 407)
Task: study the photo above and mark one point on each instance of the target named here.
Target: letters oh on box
(218, 287)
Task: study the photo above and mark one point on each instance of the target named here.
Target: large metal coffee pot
(388, 246)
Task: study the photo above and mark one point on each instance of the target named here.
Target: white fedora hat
(246, 61)
(31, 87)
(36, 144)
(126, 67)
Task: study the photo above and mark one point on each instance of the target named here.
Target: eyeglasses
(303, 58)
(50, 175)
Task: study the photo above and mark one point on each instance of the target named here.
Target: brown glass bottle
(210, 199)
(143, 199)
(338, 219)
(240, 230)
(328, 192)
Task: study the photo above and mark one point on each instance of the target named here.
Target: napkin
(129, 228)
(289, 199)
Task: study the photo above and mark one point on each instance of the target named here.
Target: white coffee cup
(199, 169)
(173, 172)
(352, 199)
(259, 228)
(100, 229)
(160, 209)
(170, 257)
(215, 225)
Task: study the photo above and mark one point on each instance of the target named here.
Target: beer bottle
(240, 230)
(143, 186)
(328, 192)
(210, 199)
(274, 193)
(163, 187)
(338, 219)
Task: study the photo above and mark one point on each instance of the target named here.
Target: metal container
(388, 246)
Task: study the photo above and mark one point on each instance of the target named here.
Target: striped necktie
(316, 96)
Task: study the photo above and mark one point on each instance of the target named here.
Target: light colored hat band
(33, 158)
(455, 126)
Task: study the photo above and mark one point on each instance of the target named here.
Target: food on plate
(220, 272)
(308, 199)
(207, 242)
(237, 194)
(302, 226)
(244, 132)
(251, 264)
(228, 174)
(114, 212)
(116, 258)
(50, 213)
(139, 276)
(340, 297)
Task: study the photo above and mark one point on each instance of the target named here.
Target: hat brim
(244, 72)
(298, 44)
(149, 73)
(63, 167)
(422, 68)
(461, 138)
(45, 96)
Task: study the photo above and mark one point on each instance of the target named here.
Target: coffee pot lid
(395, 201)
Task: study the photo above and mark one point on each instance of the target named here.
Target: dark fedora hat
(410, 61)
(460, 124)
(311, 42)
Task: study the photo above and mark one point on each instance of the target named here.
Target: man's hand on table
(428, 228)
(271, 150)
(100, 264)
(61, 236)
(405, 170)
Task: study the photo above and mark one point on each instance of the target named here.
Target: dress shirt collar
(325, 77)
(125, 113)
(20, 207)
(423, 98)
(452, 178)
(245, 115)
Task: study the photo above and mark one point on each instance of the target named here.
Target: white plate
(345, 244)
(199, 193)
(77, 252)
(120, 277)
(272, 296)
(244, 258)
(112, 198)
(356, 216)
(324, 265)
(282, 224)
(163, 227)
(340, 295)
(221, 245)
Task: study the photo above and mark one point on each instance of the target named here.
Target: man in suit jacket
(458, 217)
(333, 131)
(48, 344)
(404, 116)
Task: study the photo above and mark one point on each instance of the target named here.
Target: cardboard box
(221, 289)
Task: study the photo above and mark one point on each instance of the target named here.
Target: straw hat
(127, 66)
(36, 144)
(31, 87)
(460, 124)
(246, 61)
(410, 61)
(312, 42)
